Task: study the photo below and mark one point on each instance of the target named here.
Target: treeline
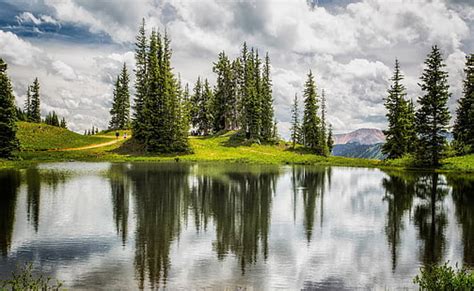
(241, 99)
(313, 132)
(32, 112)
(166, 112)
(423, 132)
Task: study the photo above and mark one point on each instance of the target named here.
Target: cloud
(64, 70)
(350, 46)
(27, 17)
(17, 51)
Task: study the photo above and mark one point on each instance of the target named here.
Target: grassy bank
(224, 148)
(41, 137)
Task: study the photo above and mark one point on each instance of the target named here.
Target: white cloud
(351, 49)
(16, 51)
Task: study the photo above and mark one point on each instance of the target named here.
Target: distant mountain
(362, 143)
(357, 150)
(365, 136)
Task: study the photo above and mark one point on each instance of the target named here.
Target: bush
(24, 279)
(444, 277)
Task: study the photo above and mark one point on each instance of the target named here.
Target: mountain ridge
(363, 136)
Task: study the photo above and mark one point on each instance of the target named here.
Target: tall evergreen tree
(295, 122)
(205, 113)
(399, 134)
(27, 107)
(163, 116)
(141, 84)
(266, 101)
(63, 123)
(250, 98)
(120, 111)
(433, 116)
(196, 103)
(330, 140)
(35, 112)
(311, 121)
(323, 140)
(8, 140)
(52, 119)
(464, 125)
(224, 96)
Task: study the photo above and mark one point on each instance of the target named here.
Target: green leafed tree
(205, 118)
(311, 121)
(330, 139)
(35, 111)
(432, 118)
(27, 107)
(141, 84)
(163, 116)
(323, 140)
(464, 125)
(224, 95)
(52, 119)
(8, 140)
(120, 111)
(63, 123)
(295, 122)
(400, 116)
(266, 97)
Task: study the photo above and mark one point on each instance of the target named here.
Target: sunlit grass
(42, 137)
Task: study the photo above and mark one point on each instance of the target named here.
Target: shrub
(23, 279)
(444, 277)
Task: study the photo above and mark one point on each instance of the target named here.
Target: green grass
(224, 148)
(42, 137)
(464, 163)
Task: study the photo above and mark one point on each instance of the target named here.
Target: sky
(77, 47)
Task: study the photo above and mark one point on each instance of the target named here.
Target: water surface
(145, 225)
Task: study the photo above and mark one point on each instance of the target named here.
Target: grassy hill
(39, 141)
(42, 137)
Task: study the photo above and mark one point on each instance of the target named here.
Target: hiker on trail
(117, 134)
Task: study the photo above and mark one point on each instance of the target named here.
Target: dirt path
(92, 146)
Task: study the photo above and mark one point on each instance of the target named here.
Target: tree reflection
(399, 193)
(430, 217)
(9, 181)
(241, 211)
(159, 192)
(33, 184)
(463, 189)
(312, 182)
(120, 188)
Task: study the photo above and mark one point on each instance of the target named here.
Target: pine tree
(433, 116)
(224, 96)
(400, 131)
(311, 121)
(330, 140)
(184, 117)
(27, 107)
(295, 122)
(463, 130)
(163, 118)
(323, 140)
(20, 114)
(141, 84)
(205, 113)
(267, 111)
(63, 123)
(8, 140)
(35, 113)
(120, 110)
(195, 103)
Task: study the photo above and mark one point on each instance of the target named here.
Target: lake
(152, 225)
